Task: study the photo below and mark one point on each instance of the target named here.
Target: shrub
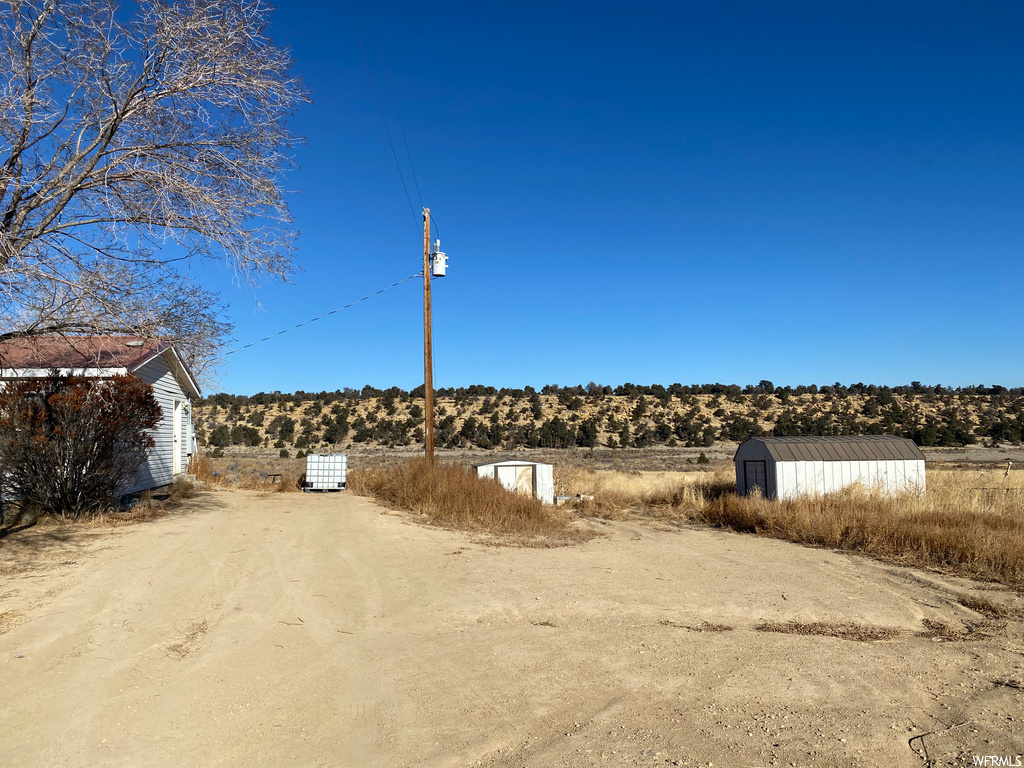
(220, 436)
(69, 445)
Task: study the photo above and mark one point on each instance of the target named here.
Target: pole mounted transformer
(439, 262)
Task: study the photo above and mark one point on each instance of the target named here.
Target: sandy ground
(320, 630)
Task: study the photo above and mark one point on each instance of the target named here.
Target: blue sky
(693, 192)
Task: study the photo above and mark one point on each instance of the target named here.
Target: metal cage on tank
(326, 472)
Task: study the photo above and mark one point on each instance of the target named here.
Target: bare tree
(133, 141)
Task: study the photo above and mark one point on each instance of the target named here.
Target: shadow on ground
(29, 545)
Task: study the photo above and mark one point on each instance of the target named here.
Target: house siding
(158, 469)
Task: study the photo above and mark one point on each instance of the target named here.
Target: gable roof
(841, 448)
(106, 355)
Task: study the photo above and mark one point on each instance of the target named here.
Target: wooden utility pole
(428, 351)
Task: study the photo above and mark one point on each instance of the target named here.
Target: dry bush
(181, 489)
(454, 497)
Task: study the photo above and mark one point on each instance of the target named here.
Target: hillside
(628, 416)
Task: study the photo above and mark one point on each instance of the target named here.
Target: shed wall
(802, 478)
(158, 469)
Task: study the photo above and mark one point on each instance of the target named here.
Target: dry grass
(845, 631)
(701, 626)
(454, 497)
(961, 525)
(251, 474)
(616, 495)
(908, 530)
(953, 633)
(201, 466)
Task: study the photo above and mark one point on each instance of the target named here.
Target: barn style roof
(77, 353)
(844, 448)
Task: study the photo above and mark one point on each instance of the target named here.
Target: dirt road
(320, 630)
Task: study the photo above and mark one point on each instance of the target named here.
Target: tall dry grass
(454, 497)
(969, 522)
(617, 495)
(251, 474)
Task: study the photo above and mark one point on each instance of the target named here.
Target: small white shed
(533, 477)
(155, 362)
(787, 467)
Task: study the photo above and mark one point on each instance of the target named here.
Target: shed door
(524, 480)
(754, 476)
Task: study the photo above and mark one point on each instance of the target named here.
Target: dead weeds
(188, 640)
(862, 633)
(454, 497)
(945, 631)
(702, 626)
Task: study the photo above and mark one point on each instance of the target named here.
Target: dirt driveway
(320, 630)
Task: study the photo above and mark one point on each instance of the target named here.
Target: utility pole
(428, 352)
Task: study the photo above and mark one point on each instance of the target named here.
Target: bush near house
(69, 444)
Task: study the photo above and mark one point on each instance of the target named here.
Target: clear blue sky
(804, 192)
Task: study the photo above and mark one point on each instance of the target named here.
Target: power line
(380, 109)
(394, 100)
(326, 314)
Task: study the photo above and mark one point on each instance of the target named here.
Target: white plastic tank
(326, 472)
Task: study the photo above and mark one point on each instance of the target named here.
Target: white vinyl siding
(158, 470)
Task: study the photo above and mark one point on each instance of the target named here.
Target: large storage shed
(533, 477)
(155, 362)
(786, 467)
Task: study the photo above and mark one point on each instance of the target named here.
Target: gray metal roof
(844, 448)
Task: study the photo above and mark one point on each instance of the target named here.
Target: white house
(155, 362)
(786, 467)
(533, 477)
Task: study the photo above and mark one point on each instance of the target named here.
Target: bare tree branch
(133, 139)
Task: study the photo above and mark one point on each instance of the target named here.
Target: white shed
(533, 477)
(155, 362)
(786, 467)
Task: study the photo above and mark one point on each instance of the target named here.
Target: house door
(754, 475)
(176, 415)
